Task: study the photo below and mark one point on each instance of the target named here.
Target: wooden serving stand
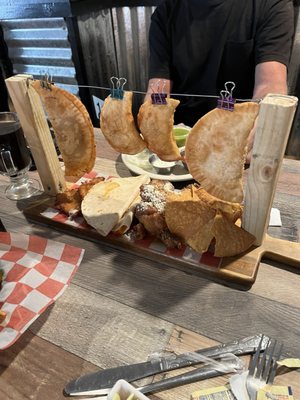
(273, 126)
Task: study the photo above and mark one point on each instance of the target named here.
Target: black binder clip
(159, 97)
(117, 91)
(226, 101)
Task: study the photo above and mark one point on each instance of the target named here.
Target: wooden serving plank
(239, 271)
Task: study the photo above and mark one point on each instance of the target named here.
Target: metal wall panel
(115, 43)
(39, 47)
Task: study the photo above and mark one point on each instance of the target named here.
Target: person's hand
(159, 85)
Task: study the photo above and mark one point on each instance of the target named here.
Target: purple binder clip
(117, 91)
(226, 101)
(158, 96)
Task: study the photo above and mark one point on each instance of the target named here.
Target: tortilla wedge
(107, 202)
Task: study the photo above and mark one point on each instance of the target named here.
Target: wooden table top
(120, 308)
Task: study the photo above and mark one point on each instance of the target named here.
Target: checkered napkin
(36, 273)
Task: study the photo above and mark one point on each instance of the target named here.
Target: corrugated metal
(131, 26)
(115, 43)
(39, 47)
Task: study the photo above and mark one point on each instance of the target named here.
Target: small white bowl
(125, 389)
(162, 167)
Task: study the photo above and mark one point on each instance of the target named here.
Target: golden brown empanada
(72, 126)
(118, 127)
(156, 125)
(216, 149)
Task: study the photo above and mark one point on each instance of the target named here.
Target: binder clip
(159, 97)
(117, 91)
(226, 101)
(46, 82)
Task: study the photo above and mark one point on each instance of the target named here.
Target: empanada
(216, 149)
(156, 125)
(72, 126)
(118, 127)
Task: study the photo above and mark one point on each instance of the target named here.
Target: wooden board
(239, 271)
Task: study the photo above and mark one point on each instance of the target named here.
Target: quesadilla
(107, 202)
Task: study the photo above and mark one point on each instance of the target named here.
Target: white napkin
(275, 219)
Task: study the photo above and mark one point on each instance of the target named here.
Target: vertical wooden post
(272, 131)
(32, 117)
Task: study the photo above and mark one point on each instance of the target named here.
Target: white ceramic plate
(139, 164)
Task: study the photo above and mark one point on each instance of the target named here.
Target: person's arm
(270, 77)
(158, 85)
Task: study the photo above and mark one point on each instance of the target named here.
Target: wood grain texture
(272, 130)
(100, 330)
(30, 111)
(35, 369)
(113, 290)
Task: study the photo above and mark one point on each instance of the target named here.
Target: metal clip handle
(117, 91)
(226, 101)
(159, 96)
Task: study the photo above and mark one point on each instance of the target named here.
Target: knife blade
(104, 379)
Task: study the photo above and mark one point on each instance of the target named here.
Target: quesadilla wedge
(107, 202)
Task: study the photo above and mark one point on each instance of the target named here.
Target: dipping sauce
(162, 167)
(180, 134)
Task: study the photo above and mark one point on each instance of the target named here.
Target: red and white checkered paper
(186, 254)
(36, 273)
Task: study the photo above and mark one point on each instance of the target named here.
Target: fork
(262, 368)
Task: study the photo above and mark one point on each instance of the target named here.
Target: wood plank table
(120, 308)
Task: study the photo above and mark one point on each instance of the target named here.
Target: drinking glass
(15, 158)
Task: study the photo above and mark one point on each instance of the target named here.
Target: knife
(107, 378)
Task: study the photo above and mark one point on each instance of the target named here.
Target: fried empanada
(118, 127)
(156, 123)
(216, 149)
(73, 128)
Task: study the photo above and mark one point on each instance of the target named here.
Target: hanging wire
(144, 93)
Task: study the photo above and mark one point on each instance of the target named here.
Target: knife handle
(189, 377)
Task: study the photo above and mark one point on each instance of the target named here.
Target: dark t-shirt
(201, 44)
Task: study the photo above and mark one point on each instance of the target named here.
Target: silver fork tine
(274, 366)
(268, 359)
(254, 360)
